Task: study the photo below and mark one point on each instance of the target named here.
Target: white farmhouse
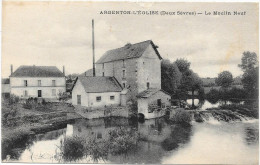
(37, 81)
(96, 92)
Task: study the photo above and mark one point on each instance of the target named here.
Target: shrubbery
(120, 141)
(234, 94)
(181, 117)
(73, 148)
(13, 99)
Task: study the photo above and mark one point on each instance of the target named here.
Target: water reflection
(158, 142)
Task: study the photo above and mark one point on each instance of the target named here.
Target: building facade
(152, 103)
(37, 81)
(96, 92)
(137, 67)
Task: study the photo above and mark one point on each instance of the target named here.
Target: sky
(59, 33)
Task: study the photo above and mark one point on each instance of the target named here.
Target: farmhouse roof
(99, 84)
(149, 92)
(37, 71)
(128, 51)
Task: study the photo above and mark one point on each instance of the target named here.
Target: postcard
(130, 82)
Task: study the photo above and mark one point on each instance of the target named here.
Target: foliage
(18, 138)
(190, 81)
(13, 99)
(121, 140)
(170, 76)
(250, 79)
(181, 117)
(73, 148)
(63, 96)
(234, 94)
(224, 79)
(249, 61)
(182, 64)
(97, 149)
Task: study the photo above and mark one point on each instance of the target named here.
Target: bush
(213, 96)
(181, 117)
(13, 99)
(64, 96)
(73, 148)
(121, 140)
(97, 150)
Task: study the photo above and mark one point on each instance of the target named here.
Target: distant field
(207, 89)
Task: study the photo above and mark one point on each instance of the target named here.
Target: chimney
(12, 69)
(93, 48)
(63, 69)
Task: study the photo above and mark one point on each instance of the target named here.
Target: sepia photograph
(130, 82)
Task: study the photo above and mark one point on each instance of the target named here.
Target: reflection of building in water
(154, 130)
(97, 128)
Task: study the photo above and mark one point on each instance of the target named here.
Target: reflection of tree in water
(252, 135)
(179, 135)
(14, 148)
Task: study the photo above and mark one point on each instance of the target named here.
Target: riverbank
(19, 123)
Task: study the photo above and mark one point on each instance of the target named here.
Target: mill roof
(99, 84)
(149, 92)
(87, 73)
(128, 51)
(37, 71)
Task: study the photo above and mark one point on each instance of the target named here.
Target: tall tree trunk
(193, 99)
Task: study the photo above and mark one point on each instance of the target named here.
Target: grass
(18, 123)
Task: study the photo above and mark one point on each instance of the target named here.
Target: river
(209, 142)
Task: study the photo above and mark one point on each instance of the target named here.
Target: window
(25, 93)
(123, 63)
(123, 85)
(103, 66)
(148, 85)
(99, 135)
(78, 99)
(25, 83)
(103, 74)
(159, 102)
(98, 98)
(39, 83)
(53, 83)
(112, 97)
(53, 92)
(123, 73)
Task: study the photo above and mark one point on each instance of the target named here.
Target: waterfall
(215, 116)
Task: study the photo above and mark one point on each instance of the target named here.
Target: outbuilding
(96, 92)
(153, 102)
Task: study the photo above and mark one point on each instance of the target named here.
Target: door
(79, 99)
(39, 93)
(159, 102)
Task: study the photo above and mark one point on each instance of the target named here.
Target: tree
(250, 81)
(249, 61)
(224, 79)
(183, 64)
(170, 75)
(249, 65)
